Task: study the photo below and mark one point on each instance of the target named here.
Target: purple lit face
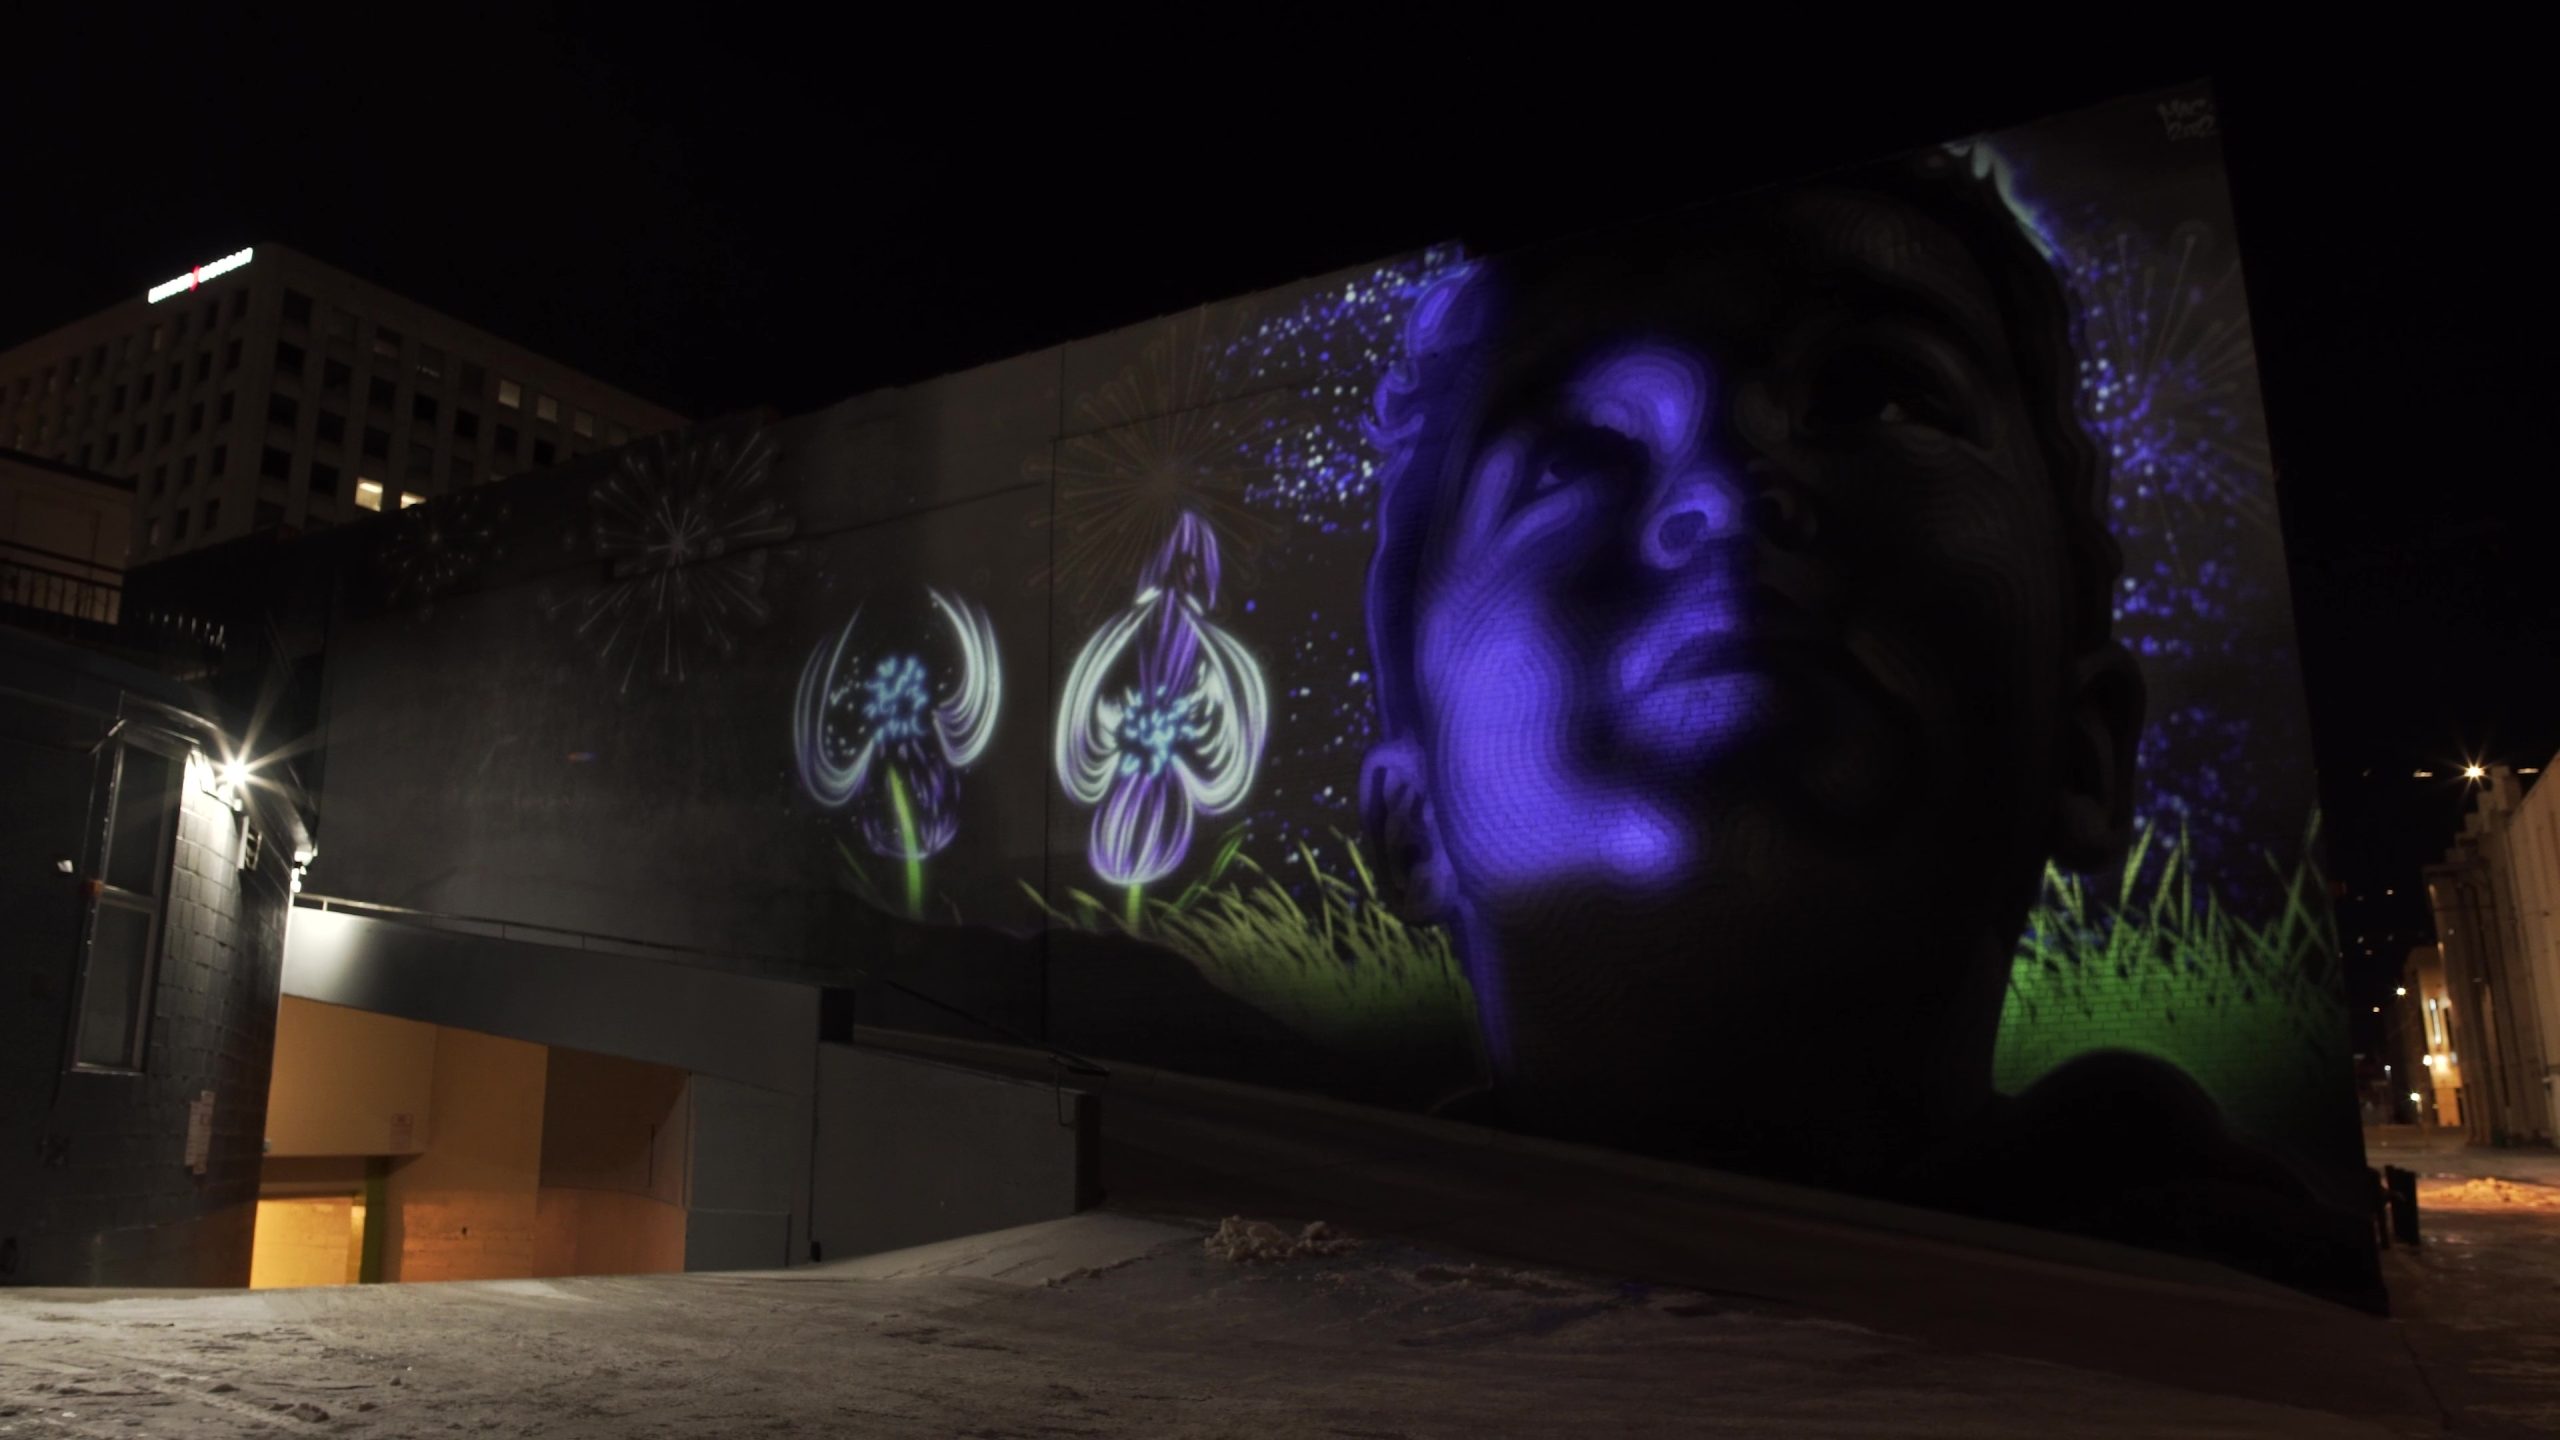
(1742, 624)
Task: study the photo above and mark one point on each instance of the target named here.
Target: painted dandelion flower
(1162, 718)
(887, 734)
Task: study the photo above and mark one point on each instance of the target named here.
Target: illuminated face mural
(1162, 718)
(882, 730)
(1742, 640)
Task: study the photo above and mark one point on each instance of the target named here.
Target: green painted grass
(2157, 964)
(1339, 968)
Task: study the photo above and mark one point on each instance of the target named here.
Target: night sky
(762, 215)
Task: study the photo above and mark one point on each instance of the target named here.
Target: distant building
(268, 389)
(64, 535)
(2494, 896)
(2426, 1043)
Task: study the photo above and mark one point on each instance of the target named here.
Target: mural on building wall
(684, 526)
(880, 730)
(1804, 684)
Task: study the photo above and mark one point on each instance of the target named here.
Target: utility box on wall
(910, 1152)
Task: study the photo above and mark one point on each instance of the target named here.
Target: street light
(2400, 990)
(2474, 772)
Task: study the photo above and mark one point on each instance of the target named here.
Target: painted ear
(1396, 813)
(2101, 730)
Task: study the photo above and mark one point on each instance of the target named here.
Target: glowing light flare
(2474, 772)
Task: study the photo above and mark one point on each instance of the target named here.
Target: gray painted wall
(910, 1151)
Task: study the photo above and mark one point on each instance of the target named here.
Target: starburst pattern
(1168, 436)
(685, 526)
(429, 549)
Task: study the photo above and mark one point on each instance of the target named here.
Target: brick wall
(94, 1188)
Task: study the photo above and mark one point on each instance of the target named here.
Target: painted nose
(1695, 512)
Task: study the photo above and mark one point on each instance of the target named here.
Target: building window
(422, 458)
(342, 326)
(466, 425)
(204, 366)
(615, 434)
(368, 494)
(159, 479)
(546, 407)
(167, 422)
(544, 452)
(143, 389)
(423, 408)
(409, 498)
(473, 380)
(283, 410)
(583, 424)
(212, 516)
(159, 342)
(288, 359)
(457, 473)
(386, 343)
(117, 966)
(178, 535)
(239, 303)
(223, 405)
(330, 426)
(269, 515)
(187, 470)
(379, 393)
(297, 308)
(324, 479)
(506, 441)
(377, 443)
(275, 464)
(511, 394)
(177, 376)
(195, 418)
(151, 534)
(111, 449)
(230, 356)
(335, 377)
(221, 463)
(430, 363)
(117, 398)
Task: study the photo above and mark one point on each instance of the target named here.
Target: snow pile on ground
(1254, 1242)
(2488, 1193)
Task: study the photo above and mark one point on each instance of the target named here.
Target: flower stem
(1137, 908)
(907, 837)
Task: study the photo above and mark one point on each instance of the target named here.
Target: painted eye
(1586, 454)
(1864, 388)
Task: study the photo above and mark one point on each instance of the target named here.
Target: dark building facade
(146, 897)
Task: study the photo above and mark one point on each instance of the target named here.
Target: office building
(267, 389)
(2493, 896)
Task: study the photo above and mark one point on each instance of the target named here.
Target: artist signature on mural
(2188, 117)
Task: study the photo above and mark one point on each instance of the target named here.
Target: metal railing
(40, 579)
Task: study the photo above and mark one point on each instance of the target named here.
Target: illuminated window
(582, 423)
(324, 480)
(368, 494)
(546, 407)
(511, 394)
(409, 498)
